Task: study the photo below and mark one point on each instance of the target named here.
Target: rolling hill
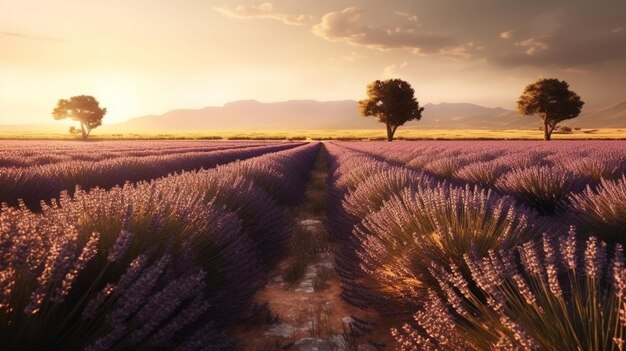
(310, 114)
(613, 116)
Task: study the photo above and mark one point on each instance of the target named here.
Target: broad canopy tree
(84, 109)
(552, 100)
(391, 102)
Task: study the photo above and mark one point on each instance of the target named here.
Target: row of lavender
(33, 184)
(550, 178)
(164, 264)
(482, 270)
(27, 153)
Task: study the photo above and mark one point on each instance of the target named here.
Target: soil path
(300, 308)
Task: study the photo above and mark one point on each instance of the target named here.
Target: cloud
(533, 45)
(29, 37)
(408, 16)
(264, 11)
(574, 39)
(391, 71)
(462, 51)
(346, 26)
(567, 51)
(506, 35)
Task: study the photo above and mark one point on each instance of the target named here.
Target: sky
(140, 57)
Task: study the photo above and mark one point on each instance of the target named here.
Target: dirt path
(300, 307)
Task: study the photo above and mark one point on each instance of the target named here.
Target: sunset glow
(147, 57)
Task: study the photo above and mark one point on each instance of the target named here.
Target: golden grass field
(339, 134)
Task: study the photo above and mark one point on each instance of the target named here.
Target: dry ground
(300, 308)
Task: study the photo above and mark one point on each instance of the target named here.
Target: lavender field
(159, 263)
(484, 245)
(434, 245)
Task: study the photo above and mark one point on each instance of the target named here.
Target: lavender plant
(593, 167)
(444, 167)
(345, 173)
(484, 174)
(65, 285)
(543, 188)
(418, 162)
(545, 297)
(435, 224)
(602, 211)
(370, 195)
(354, 175)
(262, 220)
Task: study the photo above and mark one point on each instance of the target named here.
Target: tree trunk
(389, 132)
(552, 128)
(546, 133)
(82, 130)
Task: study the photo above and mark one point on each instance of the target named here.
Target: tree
(392, 102)
(552, 100)
(84, 109)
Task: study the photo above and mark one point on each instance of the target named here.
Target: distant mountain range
(613, 116)
(311, 114)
